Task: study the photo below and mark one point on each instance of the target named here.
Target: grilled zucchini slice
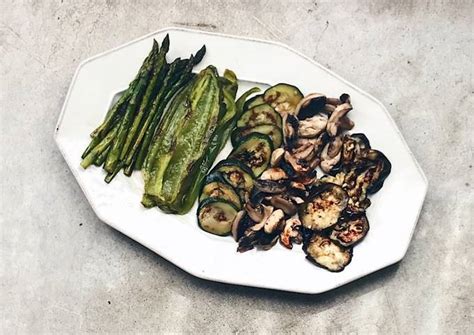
(215, 186)
(216, 216)
(258, 115)
(272, 131)
(255, 151)
(237, 175)
(254, 101)
(283, 98)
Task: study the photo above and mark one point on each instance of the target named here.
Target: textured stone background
(62, 270)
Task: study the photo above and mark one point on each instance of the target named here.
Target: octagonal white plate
(393, 214)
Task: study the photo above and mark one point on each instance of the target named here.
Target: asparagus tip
(165, 45)
(200, 55)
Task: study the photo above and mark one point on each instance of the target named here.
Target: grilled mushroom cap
(313, 126)
(290, 231)
(276, 157)
(281, 202)
(333, 124)
(274, 174)
(273, 221)
(310, 105)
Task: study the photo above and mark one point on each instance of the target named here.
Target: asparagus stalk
(99, 148)
(116, 108)
(102, 157)
(176, 78)
(157, 74)
(114, 155)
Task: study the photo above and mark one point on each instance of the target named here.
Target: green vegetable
(192, 126)
(115, 153)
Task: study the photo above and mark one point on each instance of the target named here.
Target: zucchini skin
(254, 151)
(274, 132)
(254, 101)
(216, 202)
(283, 97)
(259, 115)
(224, 189)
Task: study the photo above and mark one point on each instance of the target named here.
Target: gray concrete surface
(63, 271)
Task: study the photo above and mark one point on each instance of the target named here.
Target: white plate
(393, 214)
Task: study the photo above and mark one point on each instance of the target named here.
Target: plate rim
(203, 275)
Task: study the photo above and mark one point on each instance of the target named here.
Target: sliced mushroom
(328, 108)
(277, 155)
(248, 241)
(255, 212)
(238, 223)
(327, 162)
(297, 185)
(267, 241)
(345, 98)
(346, 123)
(273, 221)
(313, 126)
(334, 121)
(298, 165)
(274, 174)
(310, 105)
(335, 146)
(267, 212)
(290, 231)
(269, 186)
(286, 205)
(297, 200)
(290, 129)
(308, 178)
(333, 101)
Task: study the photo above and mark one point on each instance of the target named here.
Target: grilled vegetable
(255, 151)
(325, 253)
(215, 186)
(216, 216)
(350, 230)
(283, 98)
(324, 207)
(192, 184)
(254, 101)
(183, 143)
(272, 131)
(238, 175)
(258, 115)
(380, 171)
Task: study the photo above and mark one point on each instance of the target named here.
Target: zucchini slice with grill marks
(283, 98)
(350, 230)
(215, 186)
(216, 216)
(325, 253)
(271, 131)
(237, 175)
(254, 101)
(258, 115)
(324, 207)
(255, 151)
